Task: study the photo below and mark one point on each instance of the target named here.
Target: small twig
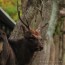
(44, 25)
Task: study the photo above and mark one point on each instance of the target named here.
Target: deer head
(33, 36)
(30, 34)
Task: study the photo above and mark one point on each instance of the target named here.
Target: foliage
(10, 6)
(59, 26)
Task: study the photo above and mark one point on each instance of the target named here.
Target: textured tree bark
(63, 58)
(57, 54)
(36, 11)
(51, 29)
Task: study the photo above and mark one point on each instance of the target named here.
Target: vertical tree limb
(63, 52)
(50, 32)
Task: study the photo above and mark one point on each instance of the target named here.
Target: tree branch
(50, 32)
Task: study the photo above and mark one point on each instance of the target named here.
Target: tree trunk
(51, 29)
(34, 11)
(63, 58)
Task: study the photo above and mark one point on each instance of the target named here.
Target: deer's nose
(41, 48)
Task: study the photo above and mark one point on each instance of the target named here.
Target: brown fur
(7, 56)
(24, 48)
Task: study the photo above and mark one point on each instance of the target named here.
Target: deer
(26, 47)
(31, 42)
(7, 56)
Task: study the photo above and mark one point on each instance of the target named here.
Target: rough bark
(56, 41)
(51, 29)
(63, 58)
(35, 13)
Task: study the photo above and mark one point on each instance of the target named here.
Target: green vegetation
(10, 6)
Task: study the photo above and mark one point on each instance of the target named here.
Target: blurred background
(10, 7)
